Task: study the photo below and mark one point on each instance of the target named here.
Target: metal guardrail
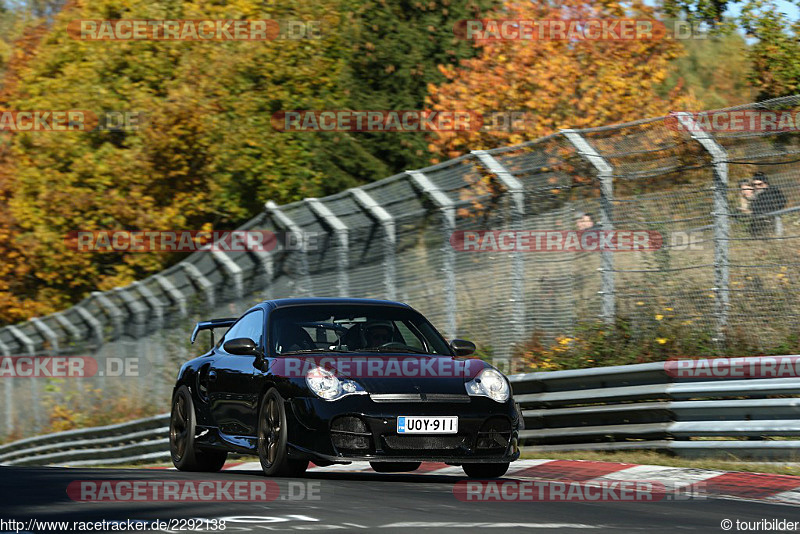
(607, 408)
(132, 442)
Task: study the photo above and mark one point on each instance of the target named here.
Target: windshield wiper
(396, 349)
(314, 351)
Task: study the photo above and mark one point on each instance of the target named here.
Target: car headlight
(489, 383)
(326, 385)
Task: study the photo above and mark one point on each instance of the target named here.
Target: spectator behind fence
(584, 222)
(746, 194)
(766, 200)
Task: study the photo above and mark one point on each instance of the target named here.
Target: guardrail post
(8, 393)
(605, 176)
(719, 163)
(172, 292)
(282, 220)
(198, 278)
(30, 348)
(448, 212)
(385, 219)
(340, 233)
(515, 188)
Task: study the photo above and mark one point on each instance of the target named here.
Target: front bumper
(356, 428)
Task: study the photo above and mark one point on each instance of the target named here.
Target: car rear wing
(211, 325)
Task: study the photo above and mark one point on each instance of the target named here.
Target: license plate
(427, 425)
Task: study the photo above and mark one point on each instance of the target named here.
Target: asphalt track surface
(364, 502)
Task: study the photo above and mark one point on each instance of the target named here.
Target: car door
(232, 390)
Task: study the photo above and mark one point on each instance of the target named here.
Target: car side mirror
(462, 347)
(242, 346)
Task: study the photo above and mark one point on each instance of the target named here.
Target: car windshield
(352, 328)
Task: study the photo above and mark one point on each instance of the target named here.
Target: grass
(656, 458)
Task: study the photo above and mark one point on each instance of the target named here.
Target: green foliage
(716, 69)
(397, 48)
(775, 56)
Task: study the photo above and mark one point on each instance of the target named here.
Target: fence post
(137, 311)
(8, 392)
(340, 233)
(199, 279)
(448, 212)
(232, 271)
(157, 366)
(268, 268)
(172, 292)
(112, 310)
(719, 162)
(30, 348)
(71, 330)
(46, 333)
(515, 188)
(282, 220)
(156, 306)
(605, 176)
(377, 212)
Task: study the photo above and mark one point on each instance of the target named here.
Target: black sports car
(337, 380)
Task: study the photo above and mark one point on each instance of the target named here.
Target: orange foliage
(556, 83)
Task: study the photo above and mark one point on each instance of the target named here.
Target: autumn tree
(556, 83)
(206, 156)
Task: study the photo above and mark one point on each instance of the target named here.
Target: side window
(251, 325)
(409, 337)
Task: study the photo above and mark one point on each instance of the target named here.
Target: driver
(377, 333)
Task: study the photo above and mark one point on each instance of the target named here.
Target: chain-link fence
(724, 262)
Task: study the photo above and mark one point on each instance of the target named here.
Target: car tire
(394, 467)
(485, 470)
(273, 438)
(186, 456)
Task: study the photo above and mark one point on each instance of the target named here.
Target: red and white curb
(779, 489)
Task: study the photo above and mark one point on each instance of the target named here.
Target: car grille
(494, 434)
(350, 434)
(419, 397)
(424, 442)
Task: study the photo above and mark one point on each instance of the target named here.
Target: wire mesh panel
(719, 209)
(764, 205)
